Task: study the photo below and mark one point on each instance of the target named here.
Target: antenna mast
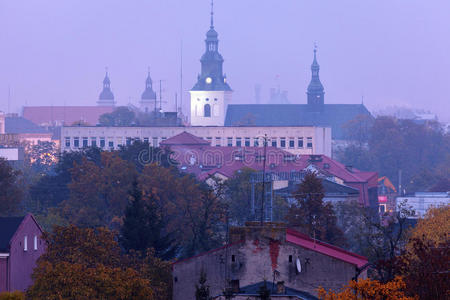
(181, 78)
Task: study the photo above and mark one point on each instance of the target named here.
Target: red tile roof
(184, 139)
(68, 115)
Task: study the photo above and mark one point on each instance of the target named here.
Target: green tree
(121, 116)
(311, 215)
(143, 228)
(10, 192)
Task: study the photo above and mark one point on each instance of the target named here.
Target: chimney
(235, 286)
(281, 289)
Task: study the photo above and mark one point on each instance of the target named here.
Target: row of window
(282, 142)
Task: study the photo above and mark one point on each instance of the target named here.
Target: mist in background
(391, 52)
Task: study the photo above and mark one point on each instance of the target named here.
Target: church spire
(106, 97)
(315, 90)
(212, 14)
(149, 93)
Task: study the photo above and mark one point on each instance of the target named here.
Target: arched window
(207, 111)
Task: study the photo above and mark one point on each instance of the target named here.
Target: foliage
(10, 192)
(16, 295)
(425, 268)
(121, 116)
(368, 289)
(98, 192)
(141, 154)
(87, 264)
(264, 292)
(201, 289)
(144, 227)
(311, 215)
(434, 227)
(420, 151)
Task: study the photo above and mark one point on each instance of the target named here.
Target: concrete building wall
(254, 260)
(2, 122)
(297, 140)
(217, 101)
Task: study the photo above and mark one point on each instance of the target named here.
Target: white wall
(218, 100)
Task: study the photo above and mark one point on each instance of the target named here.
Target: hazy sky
(394, 52)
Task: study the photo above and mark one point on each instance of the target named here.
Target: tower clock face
(208, 80)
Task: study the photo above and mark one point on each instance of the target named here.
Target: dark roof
(253, 289)
(331, 188)
(8, 226)
(21, 125)
(332, 115)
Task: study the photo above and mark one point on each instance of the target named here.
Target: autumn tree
(88, 264)
(144, 228)
(99, 191)
(368, 289)
(311, 215)
(10, 192)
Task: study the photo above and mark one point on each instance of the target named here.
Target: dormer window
(25, 243)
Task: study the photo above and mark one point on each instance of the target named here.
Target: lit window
(309, 142)
(25, 243)
(35, 243)
(300, 142)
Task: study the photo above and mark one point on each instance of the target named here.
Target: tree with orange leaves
(368, 289)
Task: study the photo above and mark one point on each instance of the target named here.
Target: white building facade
(297, 140)
(421, 202)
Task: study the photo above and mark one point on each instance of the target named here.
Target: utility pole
(263, 198)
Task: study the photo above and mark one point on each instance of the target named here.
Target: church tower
(148, 98)
(315, 88)
(211, 94)
(106, 97)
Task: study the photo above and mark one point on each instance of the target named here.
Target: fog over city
(387, 52)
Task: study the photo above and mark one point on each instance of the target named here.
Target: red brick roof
(67, 115)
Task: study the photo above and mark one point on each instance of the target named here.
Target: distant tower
(211, 94)
(148, 97)
(315, 89)
(106, 97)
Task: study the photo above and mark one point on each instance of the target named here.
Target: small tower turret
(148, 98)
(106, 97)
(315, 90)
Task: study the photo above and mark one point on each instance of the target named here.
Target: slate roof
(332, 115)
(253, 289)
(8, 226)
(22, 125)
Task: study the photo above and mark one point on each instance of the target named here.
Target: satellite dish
(298, 265)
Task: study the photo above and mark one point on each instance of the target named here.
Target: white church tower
(148, 99)
(211, 94)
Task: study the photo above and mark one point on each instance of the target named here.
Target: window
(274, 142)
(207, 111)
(238, 142)
(256, 142)
(146, 140)
(290, 258)
(25, 243)
(300, 142)
(128, 142)
(291, 143)
(229, 141)
(247, 142)
(93, 142)
(35, 243)
(309, 142)
(111, 145)
(218, 141)
(85, 142)
(102, 142)
(283, 142)
(67, 141)
(76, 142)
(209, 139)
(155, 142)
(233, 258)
